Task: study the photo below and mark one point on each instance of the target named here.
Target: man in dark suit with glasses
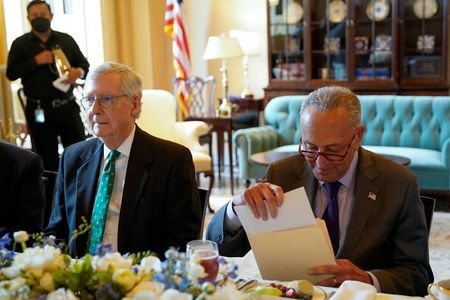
(370, 204)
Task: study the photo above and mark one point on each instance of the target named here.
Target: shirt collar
(124, 148)
(348, 180)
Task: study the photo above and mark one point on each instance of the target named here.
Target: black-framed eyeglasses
(313, 155)
(103, 100)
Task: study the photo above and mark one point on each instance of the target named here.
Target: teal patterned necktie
(101, 204)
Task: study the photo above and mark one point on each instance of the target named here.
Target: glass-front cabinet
(371, 46)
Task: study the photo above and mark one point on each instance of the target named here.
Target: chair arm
(188, 133)
(445, 155)
(253, 140)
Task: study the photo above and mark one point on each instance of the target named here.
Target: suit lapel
(137, 176)
(305, 177)
(87, 180)
(365, 187)
(310, 188)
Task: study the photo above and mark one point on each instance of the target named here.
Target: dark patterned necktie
(331, 215)
(101, 204)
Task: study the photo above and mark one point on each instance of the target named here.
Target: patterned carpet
(440, 245)
(439, 241)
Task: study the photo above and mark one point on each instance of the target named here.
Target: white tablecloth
(248, 269)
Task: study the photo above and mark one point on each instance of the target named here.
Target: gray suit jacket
(160, 203)
(387, 236)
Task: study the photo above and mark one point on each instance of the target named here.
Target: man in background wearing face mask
(50, 112)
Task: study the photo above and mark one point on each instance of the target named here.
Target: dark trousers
(63, 121)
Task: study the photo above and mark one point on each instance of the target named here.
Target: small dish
(336, 11)
(425, 9)
(294, 13)
(378, 10)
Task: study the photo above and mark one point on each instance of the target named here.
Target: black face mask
(40, 24)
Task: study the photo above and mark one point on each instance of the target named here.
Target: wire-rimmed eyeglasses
(103, 100)
(313, 155)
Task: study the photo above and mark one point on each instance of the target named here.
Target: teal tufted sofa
(417, 127)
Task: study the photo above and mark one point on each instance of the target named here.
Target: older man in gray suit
(374, 214)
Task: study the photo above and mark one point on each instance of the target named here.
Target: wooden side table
(221, 126)
(224, 126)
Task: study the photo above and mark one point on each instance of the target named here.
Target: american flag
(173, 26)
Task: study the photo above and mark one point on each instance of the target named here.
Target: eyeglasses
(104, 101)
(313, 155)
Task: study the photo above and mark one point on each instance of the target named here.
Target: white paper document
(60, 85)
(286, 247)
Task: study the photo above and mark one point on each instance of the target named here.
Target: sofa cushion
(423, 158)
(405, 121)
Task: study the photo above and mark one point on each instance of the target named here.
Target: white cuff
(376, 283)
(232, 222)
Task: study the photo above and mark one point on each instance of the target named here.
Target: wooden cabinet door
(423, 36)
(371, 46)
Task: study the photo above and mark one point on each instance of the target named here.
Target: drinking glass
(208, 253)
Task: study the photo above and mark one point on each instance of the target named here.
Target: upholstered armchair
(158, 117)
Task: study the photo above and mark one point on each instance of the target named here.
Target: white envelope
(286, 248)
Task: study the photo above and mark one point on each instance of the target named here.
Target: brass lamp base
(224, 109)
(246, 94)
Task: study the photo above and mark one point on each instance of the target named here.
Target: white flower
(155, 288)
(13, 284)
(114, 260)
(36, 260)
(195, 269)
(150, 263)
(125, 278)
(145, 295)
(21, 236)
(61, 294)
(47, 283)
(172, 294)
(4, 294)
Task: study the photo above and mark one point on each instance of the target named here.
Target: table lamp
(249, 41)
(223, 47)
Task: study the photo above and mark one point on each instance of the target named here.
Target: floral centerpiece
(44, 271)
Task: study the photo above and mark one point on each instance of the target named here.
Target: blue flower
(5, 241)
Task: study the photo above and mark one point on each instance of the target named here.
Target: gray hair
(332, 97)
(131, 82)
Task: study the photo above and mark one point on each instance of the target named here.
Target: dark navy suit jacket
(22, 198)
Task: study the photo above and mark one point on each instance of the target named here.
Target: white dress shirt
(112, 220)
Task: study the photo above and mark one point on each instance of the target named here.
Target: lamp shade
(249, 41)
(222, 47)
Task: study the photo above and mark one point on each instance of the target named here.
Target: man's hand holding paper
(262, 198)
(299, 241)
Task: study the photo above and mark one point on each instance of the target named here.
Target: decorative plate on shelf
(294, 13)
(378, 10)
(425, 9)
(336, 11)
